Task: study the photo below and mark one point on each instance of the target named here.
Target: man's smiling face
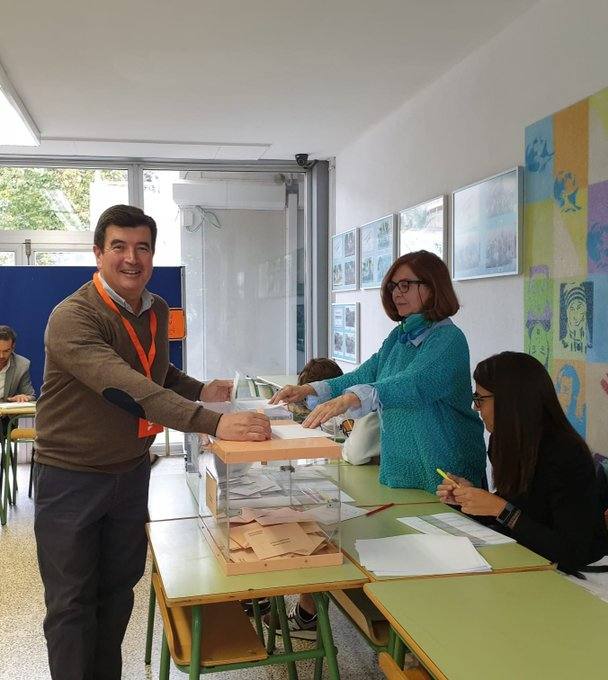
(125, 262)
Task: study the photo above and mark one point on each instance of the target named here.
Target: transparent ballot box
(270, 505)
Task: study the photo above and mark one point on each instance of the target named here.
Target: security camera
(302, 160)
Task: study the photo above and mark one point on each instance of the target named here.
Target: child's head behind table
(315, 369)
(319, 369)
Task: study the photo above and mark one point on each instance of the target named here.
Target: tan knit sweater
(95, 388)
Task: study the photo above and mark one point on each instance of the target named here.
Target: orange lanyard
(146, 359)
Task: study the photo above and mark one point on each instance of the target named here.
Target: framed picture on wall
(377, 244)
(486, 227)
(345, 332)
(344, 258)
(424, 227)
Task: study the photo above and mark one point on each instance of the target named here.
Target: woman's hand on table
(334, 407)
(474, 501)
(291, 394)
(445, 489)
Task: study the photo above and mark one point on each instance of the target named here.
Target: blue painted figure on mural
(565, 190)
(576, 316)
(538, 155)
(597, 247)
(568, 388)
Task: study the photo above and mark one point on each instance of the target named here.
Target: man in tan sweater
(108, 388)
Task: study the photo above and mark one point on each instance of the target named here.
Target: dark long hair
(525, 408)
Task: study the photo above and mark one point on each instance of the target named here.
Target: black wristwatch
(508, 513)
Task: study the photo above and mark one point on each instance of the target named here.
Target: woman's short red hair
(431, 269)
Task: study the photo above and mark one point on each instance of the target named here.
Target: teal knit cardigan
(426, 419)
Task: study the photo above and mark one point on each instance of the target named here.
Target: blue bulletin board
(29, 294)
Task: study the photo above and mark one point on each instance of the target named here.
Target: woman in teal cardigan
(418, 382)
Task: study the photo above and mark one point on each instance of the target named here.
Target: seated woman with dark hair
(547, 494)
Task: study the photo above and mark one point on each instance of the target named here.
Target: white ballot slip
(296, 431)
(450, 523)
(420, 555)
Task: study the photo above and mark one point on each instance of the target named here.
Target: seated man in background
(15, 381)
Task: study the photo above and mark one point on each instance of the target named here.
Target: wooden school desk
(13, 411)
(191, 576)
(361, 482)
(520, 626)
(170, 497)
(502, 558)
(506, 557)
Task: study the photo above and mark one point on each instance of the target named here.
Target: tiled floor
(22, 646)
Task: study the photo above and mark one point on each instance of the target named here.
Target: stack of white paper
(420, 555)
(455, 524)
(296, 431)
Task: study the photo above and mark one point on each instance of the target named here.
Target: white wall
(468, 125)
(236, 295)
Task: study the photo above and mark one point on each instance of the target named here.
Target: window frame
(316, 215)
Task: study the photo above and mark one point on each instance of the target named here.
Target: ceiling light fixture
(16, 125)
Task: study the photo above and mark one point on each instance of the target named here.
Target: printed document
(455, 524)
(420, 555)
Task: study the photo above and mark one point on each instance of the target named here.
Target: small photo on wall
(378, 250)
(344, 258)
(423, 227)
(486, 227)
(345, 332)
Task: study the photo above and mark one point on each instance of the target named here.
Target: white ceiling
(275, 77)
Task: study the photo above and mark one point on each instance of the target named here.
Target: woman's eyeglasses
(479, 398)
(403, 285)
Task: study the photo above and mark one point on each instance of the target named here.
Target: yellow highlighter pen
(449, 479)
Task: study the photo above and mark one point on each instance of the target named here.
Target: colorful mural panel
(566, 259)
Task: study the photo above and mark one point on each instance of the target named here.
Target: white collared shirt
(3, 372)
(146, 299)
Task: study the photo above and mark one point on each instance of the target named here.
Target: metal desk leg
(195, 656)
(257, 617)
(324, 630)
(150, 629)
(292, 673)
(399, 651)
(5, 490)
(1, 458)
(392, 639)
(319, 661)
(272, 628)
(165, 659)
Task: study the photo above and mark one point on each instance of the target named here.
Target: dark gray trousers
(91, 546)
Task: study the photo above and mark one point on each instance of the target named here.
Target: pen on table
(449, 479)
(380, 507)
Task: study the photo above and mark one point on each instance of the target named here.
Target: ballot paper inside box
(267, 505)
